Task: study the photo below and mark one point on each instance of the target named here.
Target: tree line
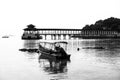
(107, 24)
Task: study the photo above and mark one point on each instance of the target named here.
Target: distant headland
(107, 24)
(108, 28)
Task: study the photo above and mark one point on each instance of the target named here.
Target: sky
(15, 15)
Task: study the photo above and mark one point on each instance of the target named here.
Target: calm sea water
(86, 62)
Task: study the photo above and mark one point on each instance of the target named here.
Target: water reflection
(110, 54)
(102, 57)
(104, 44)
(30, 44)
(53, 66)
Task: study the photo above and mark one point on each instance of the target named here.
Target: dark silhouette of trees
(107, 24)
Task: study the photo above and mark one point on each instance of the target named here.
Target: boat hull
(44, 55)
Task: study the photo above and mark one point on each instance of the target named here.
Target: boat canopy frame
(51, 45)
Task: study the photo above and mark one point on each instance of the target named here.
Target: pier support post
(45, 37)
(52, 37)
(64, 36)
(69, 36)
(59, 37)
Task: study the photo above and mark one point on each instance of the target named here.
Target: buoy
(78, 49)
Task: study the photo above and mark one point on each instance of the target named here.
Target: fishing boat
(55, 50)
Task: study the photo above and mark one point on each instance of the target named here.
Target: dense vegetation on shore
(107, 24)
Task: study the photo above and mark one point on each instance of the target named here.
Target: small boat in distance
(53, 50)
(5, 36)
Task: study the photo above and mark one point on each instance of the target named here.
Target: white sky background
(16, 14)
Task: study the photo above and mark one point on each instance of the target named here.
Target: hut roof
(30, 27)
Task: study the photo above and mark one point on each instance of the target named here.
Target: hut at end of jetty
(31, 33)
